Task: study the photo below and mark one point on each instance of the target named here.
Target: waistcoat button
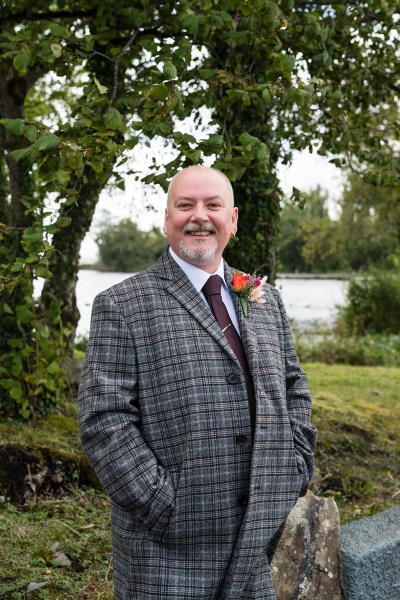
(233, 378)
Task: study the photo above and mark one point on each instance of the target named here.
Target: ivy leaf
(63, 222)
(42, 271)
(15, 126)
(24, 314)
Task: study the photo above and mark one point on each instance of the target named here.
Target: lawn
(356, 410)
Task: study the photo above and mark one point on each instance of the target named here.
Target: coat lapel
(247, 326)
(176, 283)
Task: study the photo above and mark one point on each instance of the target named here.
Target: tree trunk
(64, 263)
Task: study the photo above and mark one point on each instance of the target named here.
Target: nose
(199, 213)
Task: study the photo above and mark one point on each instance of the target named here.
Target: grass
(356, 410)
(357, 413)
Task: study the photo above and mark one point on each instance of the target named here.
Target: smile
(201, 233)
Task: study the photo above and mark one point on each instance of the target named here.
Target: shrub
(373, 304)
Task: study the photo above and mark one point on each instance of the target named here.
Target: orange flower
(239, 281)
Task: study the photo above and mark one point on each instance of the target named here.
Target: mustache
(189, 227)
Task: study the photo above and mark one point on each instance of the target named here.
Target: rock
(306, 565)
(60, 559)
(29, 472)
(370, 557)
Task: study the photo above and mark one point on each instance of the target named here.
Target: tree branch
(48, 16)
(124, 51)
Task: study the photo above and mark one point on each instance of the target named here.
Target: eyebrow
(217, 196)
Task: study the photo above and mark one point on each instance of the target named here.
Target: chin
(198, 256)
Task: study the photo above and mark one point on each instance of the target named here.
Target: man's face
(200, 217)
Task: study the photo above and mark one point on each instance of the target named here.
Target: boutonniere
(249, 289)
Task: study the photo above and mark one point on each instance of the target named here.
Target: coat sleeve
(109, 421)
(298, 401)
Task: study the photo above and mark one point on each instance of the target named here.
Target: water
(307, 301)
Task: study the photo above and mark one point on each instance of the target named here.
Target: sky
(306, 172)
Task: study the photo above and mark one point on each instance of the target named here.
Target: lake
(307, 301)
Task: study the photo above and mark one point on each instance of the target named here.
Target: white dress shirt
(198, 278)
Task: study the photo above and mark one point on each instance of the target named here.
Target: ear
(165, 221)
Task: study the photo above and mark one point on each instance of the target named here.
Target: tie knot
(212, 286)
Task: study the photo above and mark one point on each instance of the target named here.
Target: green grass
(357, 413)
(356, 410)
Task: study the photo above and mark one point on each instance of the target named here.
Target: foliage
(373, 303)
(336, 348)
(124, 247)
(370, 225)
(84, 84)
(365, 234)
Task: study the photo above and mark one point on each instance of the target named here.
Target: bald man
(195, 412)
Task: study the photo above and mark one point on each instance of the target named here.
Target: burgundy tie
(212, 292)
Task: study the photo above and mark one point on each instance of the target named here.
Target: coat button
(243, 500)
(233, 378)
(241, 439)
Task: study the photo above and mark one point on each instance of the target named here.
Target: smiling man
(195, 415)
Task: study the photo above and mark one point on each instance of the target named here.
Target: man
(201, 437)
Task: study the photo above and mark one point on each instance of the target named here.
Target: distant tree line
(124, 247)
(364, 234)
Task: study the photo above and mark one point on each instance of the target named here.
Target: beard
(198, 256)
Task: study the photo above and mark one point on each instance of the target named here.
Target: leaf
(24, 314)
(56, 50)
(42, 272)
(7, 309)
(15, 126)
(31, 133)
(102, 88)
(48, 141)
(169, 70)
(21, 62)
(158, 92)
(20, 154)
(63, 222)
(113, 119)
(288, 62)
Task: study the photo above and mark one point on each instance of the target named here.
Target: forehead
(200, 183)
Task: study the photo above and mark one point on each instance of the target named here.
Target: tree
(370, 225)
(83, 83)
(124, 247)
(310, 240)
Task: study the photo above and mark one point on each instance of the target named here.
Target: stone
(370, 557)
(306, 564)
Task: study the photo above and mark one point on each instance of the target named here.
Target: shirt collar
(197, 276)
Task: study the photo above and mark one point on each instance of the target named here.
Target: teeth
(200, 233)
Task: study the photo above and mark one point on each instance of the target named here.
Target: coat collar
(177, 284)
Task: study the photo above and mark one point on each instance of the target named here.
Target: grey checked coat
(165, 422)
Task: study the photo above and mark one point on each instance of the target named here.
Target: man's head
(200, 216)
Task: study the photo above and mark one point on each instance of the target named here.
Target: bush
(373, 304)
(367, 350)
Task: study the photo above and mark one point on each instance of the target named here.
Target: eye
(184, 205)
(214, 205)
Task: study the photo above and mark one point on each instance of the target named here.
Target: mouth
(200, 233)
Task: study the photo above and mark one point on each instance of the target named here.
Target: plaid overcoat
(197, 504)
